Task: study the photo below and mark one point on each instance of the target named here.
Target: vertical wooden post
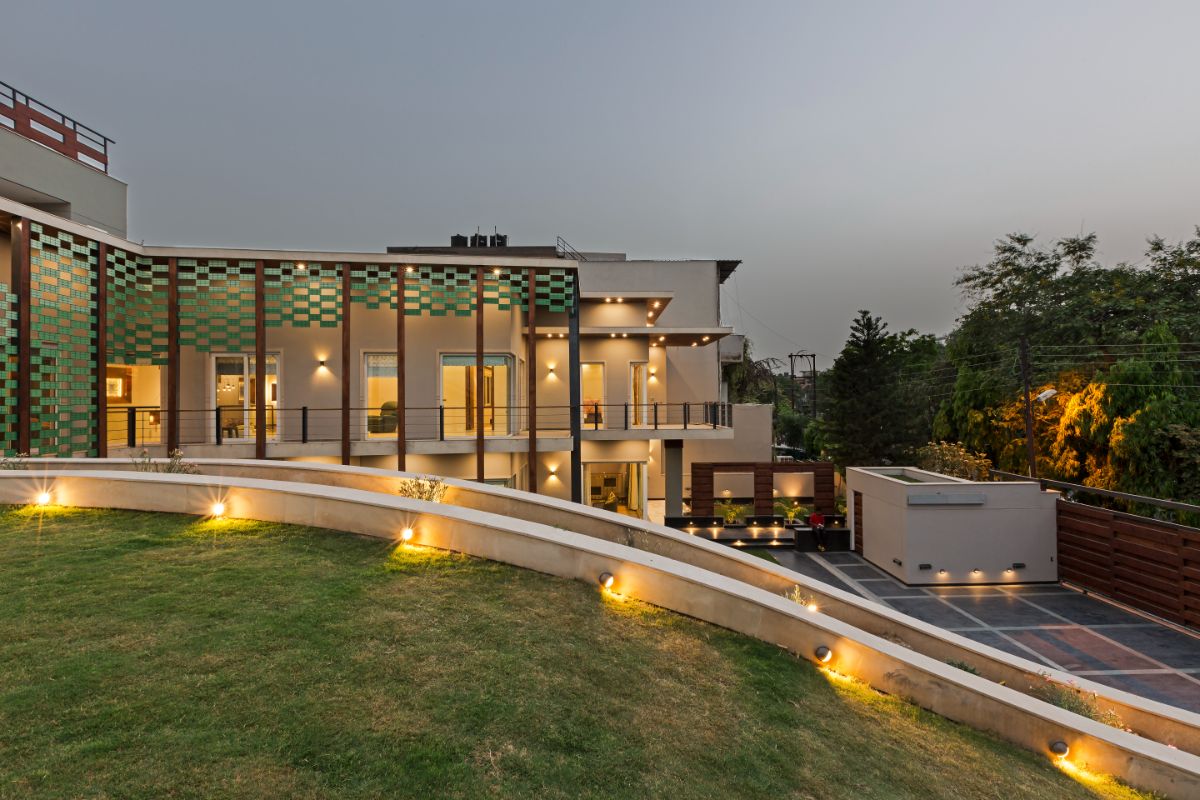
(479, 441)
(531, 376)
(102, 352)
(345, 363)
(21, 268)
(401, 434)
(173, 355)
(260, 360)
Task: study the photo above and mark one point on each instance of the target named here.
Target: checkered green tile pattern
(8, 369)
(440, 291)
(373, 285)
(555, 289)
(137, 309)
(63, 268)
(302, 296)
(216, 304)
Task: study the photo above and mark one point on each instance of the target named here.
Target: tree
(873, 416)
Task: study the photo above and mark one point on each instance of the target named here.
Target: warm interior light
(624, 335)
(657, 304)
(608, 299)
(562, 335)
(218, 509)
(406, 534)
(550, 368)
(612, 336)
(823, 654)
(553, 469)
(606, 580)
(620, 299)
(695, 344)
(549, 335)
(43, 499)
(704, 339)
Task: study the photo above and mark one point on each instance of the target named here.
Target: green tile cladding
(136, 309)
(216, 305)
(8, 369)
(63, 342)
(302, 295)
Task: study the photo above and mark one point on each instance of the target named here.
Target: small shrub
(955, 460)
(422, 487)
(797, 595)
(15, 462)
(174, 465)
(729, 510)
(790, 509)
(963, 665)
(1070, 697)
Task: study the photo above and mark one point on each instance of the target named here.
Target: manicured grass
(161, 656)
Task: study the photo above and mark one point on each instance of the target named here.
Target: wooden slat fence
(1147, 563)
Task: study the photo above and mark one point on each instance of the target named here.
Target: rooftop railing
(47, 126)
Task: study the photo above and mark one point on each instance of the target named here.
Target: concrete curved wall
(670, 584)
(1153, 720)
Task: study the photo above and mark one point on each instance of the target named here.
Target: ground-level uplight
(406, 534)
(812, 606)
(218, 509)
(1060, 748)
(42, 499)
(605, 580)
(823, 654)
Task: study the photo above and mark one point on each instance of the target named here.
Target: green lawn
(162, 656)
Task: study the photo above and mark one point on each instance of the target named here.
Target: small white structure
(930, 529)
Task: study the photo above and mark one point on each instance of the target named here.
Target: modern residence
(587, 376)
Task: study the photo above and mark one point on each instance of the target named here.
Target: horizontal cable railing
(138, 426)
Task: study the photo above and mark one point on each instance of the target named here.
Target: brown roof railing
(40, 123)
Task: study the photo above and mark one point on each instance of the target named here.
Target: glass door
(591, 382)
(234, 396)
(459, 394)
(637, 393)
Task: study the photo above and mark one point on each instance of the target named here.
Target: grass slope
(160, 656)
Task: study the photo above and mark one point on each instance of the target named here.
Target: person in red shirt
(816, 521)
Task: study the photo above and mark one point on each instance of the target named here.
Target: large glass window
(383, 417)
(234, 395)
(619, 487)
(591, 384)
(459, 392)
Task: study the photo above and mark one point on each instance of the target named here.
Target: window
(234, 395)
(591, 383)
(382, 391)
(638, 402)
(459, 389)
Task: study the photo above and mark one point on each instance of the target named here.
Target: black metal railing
(138, 426)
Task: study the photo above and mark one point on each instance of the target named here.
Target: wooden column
(173, 355)
(479, 441)
(531, 375)
(260, 361)
(401, 435)
(345, 363)
(102, 352)
(22, 287)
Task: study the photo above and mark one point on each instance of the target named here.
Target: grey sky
(854, 154)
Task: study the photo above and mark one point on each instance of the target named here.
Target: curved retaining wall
(1154, 720)
(670, 584)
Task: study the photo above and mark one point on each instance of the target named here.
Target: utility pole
(1030, 445)
(812, 362)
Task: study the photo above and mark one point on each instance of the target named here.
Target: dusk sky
(854, 155)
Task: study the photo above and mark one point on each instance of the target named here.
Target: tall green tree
(874, 416)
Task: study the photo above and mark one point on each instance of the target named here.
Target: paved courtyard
(1047, 624)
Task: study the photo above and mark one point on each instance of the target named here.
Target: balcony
(434, 430)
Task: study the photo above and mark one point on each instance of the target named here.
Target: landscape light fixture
(605, 580)
(823, 654)
(218, 509)
(1046, 395)
(43, 499)
(1060, 748)
(406, 534)
(812, 606)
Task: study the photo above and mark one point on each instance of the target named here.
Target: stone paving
(1048, 624)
